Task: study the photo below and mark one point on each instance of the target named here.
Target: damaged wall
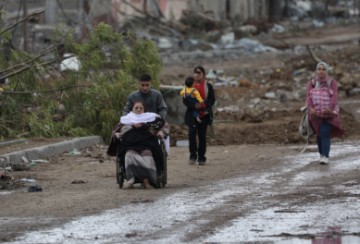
(116, 12)
(171, 10)
(241, 10)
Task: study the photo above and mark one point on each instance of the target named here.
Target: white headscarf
(326, 66)
(326, 77)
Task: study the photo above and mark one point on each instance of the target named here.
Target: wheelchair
(161, 175)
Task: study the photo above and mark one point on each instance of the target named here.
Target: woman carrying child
(197, 131)
(192, 95)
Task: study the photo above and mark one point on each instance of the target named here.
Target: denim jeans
(323, 141)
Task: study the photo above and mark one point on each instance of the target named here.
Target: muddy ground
(239, 146)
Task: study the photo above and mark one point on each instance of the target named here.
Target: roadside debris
(79, 181)
(73, 152)
(35, 161)
(8, 182)
(35, 188)
(26, 180)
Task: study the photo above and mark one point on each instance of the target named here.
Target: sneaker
(324, 160)
(321, 156)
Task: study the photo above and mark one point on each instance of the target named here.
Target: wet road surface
(251, 208)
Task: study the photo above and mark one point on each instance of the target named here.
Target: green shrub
(90, 101)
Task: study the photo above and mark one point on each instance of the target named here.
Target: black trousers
(197, 138)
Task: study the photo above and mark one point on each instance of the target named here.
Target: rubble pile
(259, 94)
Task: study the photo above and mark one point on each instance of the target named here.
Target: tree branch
(18, 68)
(17, 71)
(20, 21)
(46, 91)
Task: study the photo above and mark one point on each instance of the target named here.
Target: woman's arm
(122, 131)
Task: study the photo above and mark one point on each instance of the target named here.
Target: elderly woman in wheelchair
(140, 143)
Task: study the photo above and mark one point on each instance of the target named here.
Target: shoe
(129, 184)
(321, 156)
(201, 162)
(324, 160)
(192, 161)
(131, 181)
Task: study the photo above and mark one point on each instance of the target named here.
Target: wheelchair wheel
(161, 176)
(159, 179)
(119, 173)
(163, 180)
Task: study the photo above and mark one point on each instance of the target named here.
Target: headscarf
(326, 76)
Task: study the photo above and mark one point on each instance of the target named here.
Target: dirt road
(244, 193)
(255, 186)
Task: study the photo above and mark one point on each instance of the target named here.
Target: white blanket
(132, 118)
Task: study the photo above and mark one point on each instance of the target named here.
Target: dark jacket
(209, 101)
